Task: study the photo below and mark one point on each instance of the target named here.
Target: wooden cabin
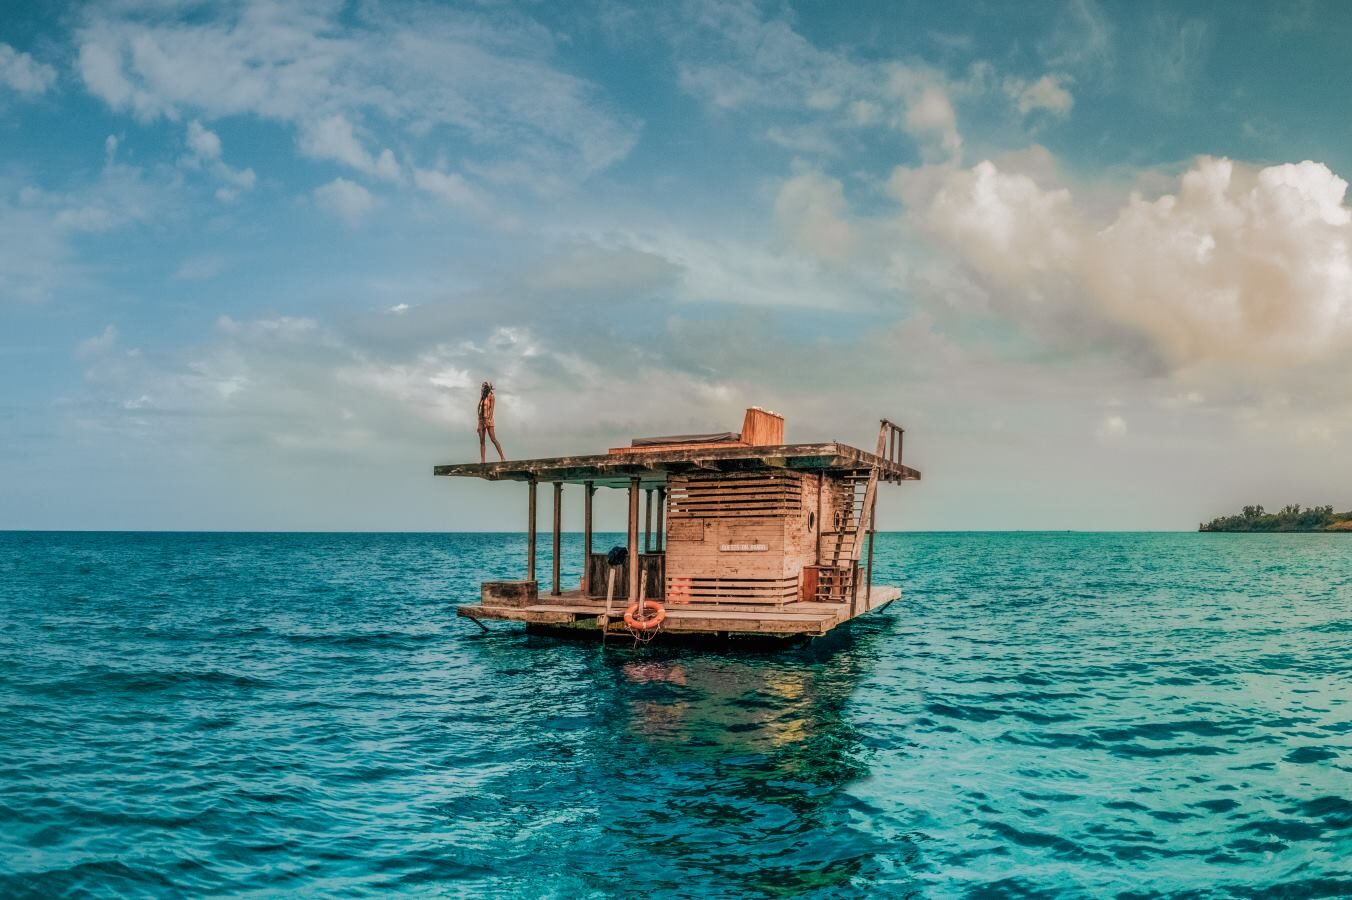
(741, 534)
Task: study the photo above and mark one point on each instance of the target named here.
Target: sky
(256, 257)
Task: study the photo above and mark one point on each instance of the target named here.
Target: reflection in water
(732, 767)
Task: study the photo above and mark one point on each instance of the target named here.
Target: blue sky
(255, 257)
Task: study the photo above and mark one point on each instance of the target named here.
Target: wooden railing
(890, 436)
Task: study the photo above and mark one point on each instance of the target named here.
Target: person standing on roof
(487, 400)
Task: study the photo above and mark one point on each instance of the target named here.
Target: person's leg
(492, 433)
(482, 457)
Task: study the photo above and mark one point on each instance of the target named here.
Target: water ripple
(1043, 715)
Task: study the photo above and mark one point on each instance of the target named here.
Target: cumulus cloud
(21, 73)
(345, 199)
(1238, 263)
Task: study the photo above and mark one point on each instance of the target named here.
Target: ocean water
(1077, 715)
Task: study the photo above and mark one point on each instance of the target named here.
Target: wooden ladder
(837, 575)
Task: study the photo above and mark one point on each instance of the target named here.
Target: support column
(633, 540)
(587, 490)
(821, 486)
(558, 532)
(648, 521)
(661, 542)
(530, 533)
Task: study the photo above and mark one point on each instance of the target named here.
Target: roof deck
(653, 465)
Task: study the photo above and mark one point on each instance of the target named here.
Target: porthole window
(811, 521)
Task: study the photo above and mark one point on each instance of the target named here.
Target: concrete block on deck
(509, 593)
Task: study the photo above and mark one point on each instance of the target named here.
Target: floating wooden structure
(752, 536)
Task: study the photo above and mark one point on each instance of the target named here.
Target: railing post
(648, 520)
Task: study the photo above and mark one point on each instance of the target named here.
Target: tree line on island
(1291, 518)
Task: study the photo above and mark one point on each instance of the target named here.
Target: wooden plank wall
(598, 572)
(740, 538)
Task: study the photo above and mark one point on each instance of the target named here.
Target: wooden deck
(652, 467)
(573, 611)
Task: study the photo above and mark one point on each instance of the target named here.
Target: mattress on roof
(721, 437)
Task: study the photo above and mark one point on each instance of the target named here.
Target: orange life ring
(648, 624)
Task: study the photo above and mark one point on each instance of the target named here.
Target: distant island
(1290, 518)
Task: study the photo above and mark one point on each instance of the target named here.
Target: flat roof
(653, 465)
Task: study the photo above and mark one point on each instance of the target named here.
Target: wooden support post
(530, 532)
(661, 542)
(872, 536)
(588, 489)
(557, 589)
(633, 539)
(648, 521)
(610, 599)
(821, 488)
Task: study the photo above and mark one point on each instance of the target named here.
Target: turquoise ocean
(1041, 715)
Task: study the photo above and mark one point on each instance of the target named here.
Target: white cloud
(23, 74)
(811, 209)
(485, 80)
(346, 199)
(449, 187)
(99, 344)
(738, 56)
(929, 112)
(333, 138)
(204, 151)
(205, 144)
(1048, 94)
(1238, 264)
(1005, 224)
(37, 226)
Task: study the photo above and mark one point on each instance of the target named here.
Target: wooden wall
(740, 538)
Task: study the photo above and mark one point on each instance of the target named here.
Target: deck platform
(652, 467)
(571, 610)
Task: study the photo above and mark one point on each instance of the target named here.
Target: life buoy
(659, 613)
